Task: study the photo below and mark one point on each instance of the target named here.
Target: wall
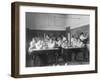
(46, 21)
(5, 40)
(77, 20)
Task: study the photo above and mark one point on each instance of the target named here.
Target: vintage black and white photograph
(52, 39)
(57, 39)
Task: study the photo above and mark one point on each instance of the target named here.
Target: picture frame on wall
(53, 39)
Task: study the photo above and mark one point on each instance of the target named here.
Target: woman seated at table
(64, 43)
(45, 42)
(83, 37)
(59, 42)
(32, 45)
(79, 43)
(51, 43)
(44, 45)
(73, 42)
(39, 44)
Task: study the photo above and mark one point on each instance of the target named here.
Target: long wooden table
(44, 55)
(71, 54)
(68, 54)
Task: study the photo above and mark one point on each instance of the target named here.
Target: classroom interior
(68, 33)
